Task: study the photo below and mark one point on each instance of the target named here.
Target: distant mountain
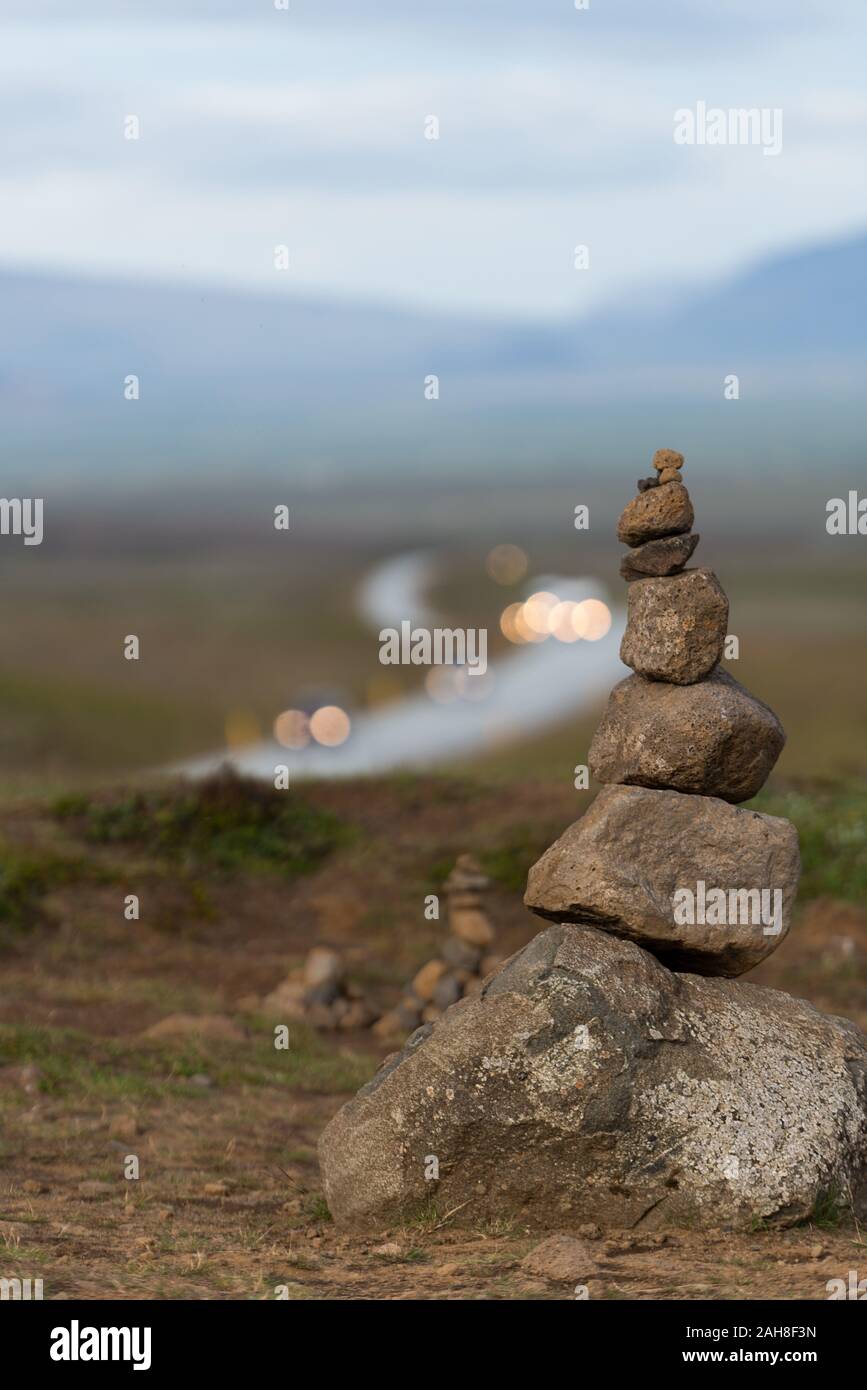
(233, 382)
(809, 305)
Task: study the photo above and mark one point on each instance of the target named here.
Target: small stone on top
(667, 458)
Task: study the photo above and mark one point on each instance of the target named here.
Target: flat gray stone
(666, 555)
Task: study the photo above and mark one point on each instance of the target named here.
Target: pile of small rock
(319, 992)
(679, 742)
(609, 1071)
(462, 964)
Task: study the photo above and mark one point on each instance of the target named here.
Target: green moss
(226, 821)
(26, 875)
(832, 828)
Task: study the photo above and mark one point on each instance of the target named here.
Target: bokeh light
(291, 729)
(440, 685)
(591, 619)
(330, 726)
(537, 610)
(508, 624)
(560, 622)
(506, 564)
(242, 728)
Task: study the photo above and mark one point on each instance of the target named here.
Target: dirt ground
(227, 1203)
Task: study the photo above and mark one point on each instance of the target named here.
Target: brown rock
(427, 979)
(675, 626)
(712, 738)
(471, 924)
(560, 1258)
(287, 1000)
(323, 966)
(620, 866)
(667, 458)
(665, 555)
(660, 511)
(359, 1014)
(669, 475)
(388, 1026)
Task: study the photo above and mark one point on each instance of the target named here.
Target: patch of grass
(832, 828)
(317, 1209)
(26, 875)
(830, 1209)
(76, 1066)
(225, 821)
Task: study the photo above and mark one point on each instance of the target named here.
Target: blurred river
(535, 685)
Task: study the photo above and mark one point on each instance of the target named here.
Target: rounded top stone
(667, 458)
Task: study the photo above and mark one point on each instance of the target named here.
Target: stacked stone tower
(609, 1071)
(664, 857)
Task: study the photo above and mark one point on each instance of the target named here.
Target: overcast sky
(261, 127)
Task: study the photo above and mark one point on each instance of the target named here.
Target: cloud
(308, 129)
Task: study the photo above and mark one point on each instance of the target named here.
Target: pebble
(661, 511)
(667, 458)
(644, 483)
(322, 966)
(427, 979)
(472, 925)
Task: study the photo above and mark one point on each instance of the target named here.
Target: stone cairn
(319, 993)
(680, 744)
(465, 959)
(612, 1071)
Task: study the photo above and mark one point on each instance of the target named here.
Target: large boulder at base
(589, 1083)
(713, 738)
(675, 626)
(620, 866)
